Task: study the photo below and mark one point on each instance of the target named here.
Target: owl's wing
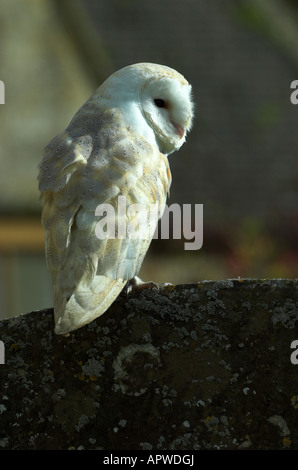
(76, 175)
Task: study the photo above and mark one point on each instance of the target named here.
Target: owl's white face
(167, 107)
(153, 96)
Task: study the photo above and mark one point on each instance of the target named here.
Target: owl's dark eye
(160, 103)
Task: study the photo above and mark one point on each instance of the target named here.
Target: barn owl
(117, 144)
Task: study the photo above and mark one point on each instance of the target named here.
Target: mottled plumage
(116, 145)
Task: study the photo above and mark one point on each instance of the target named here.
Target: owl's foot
(137, 284)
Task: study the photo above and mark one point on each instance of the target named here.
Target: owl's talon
(137, 284)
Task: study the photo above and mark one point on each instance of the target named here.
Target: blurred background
(240, 160)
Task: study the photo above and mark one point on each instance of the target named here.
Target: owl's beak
(179, 129)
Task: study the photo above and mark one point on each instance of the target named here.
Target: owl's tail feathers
(85, 304)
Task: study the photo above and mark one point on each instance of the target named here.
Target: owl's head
(161, 94)
(166, 103)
